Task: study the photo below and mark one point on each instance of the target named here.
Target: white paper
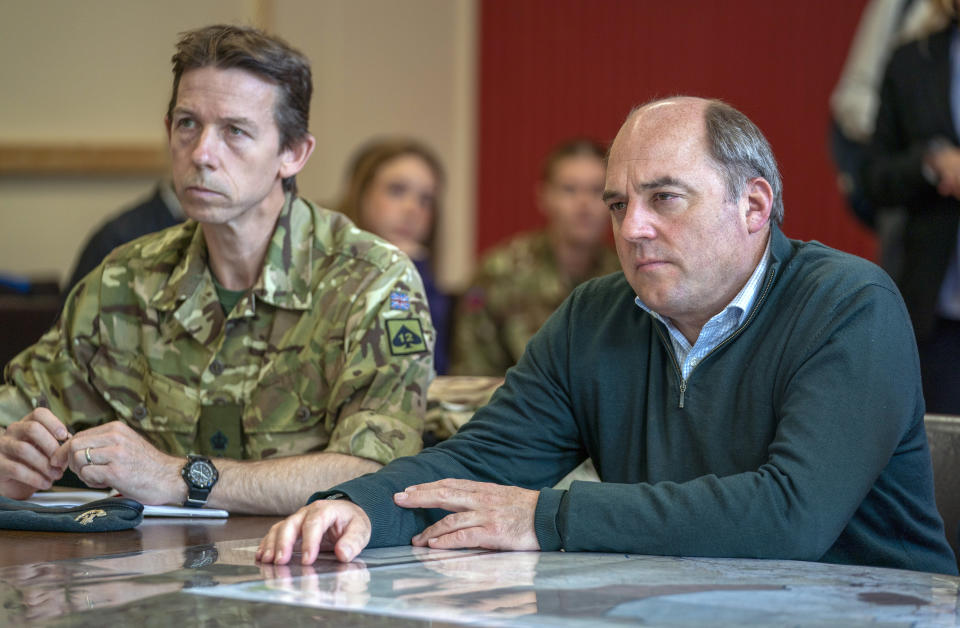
(75, 498)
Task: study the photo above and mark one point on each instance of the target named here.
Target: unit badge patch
(406, 336)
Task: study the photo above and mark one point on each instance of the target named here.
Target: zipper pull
(683, 389)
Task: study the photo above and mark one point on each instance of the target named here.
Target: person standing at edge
(264, 328)
(741, 394)
(913, 161)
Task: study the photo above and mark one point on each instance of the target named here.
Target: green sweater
(800, 437)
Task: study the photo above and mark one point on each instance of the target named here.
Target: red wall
(551, 69)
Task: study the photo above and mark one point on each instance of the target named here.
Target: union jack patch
(399, 301)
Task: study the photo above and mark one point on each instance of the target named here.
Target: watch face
(201, 474)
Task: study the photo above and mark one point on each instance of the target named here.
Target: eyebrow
(236, 121)
(664, 182)
(657, 183)
(244, 122)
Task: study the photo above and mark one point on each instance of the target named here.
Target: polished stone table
(185, 573)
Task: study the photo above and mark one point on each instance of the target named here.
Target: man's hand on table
(484, 515)
(113, 455)
(35, 451)
(337, 524)
(27, 454)
(490, 516)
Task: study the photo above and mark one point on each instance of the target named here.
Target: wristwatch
(200, 476)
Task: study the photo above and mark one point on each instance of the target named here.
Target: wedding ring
(86, 452)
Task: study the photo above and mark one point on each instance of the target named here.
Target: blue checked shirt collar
(717, 328)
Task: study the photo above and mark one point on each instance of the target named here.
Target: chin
(208, 215)
(196, 213)
(650, 295)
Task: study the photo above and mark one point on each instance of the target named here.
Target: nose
(205, 148)
(410, 204)
(414, 206)
(636, 224)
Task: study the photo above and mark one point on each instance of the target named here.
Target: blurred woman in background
(393, 190)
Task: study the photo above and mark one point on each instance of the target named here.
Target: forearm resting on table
(282, 485)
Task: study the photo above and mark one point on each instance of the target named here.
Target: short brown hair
(577, 147)
(742, 152)
(226, 46)
(367, 161)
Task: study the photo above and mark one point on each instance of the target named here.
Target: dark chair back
(23, 319)
(943, 434)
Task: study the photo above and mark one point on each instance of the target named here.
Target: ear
(759, 203)
(294, 158)
(166, 123)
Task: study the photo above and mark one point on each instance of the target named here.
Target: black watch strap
(200, 475)
(196, 497)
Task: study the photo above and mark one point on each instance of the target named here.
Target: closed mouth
(199, 189)
(648, 263)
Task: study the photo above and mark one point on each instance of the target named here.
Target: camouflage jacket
(329, 351)
(517, 287)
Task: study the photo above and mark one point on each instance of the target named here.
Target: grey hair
(742, 153)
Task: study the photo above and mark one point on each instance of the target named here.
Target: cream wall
(99, 71)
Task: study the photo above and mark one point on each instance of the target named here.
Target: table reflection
(501, 583)
(528, 588)
(51, 589)
(218, 582)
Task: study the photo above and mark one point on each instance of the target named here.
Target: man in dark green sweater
(741, 394)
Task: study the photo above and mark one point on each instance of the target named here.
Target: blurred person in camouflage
(264, 328)
(520, 283)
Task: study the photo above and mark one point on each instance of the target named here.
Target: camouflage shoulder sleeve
(452, 401)
(477, 349)
(610, 262)
(53, 372)
(380, 394)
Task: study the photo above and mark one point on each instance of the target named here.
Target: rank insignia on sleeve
(405, 336)
(399, 301)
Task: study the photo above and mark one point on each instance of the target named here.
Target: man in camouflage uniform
(264, 329)
(520, 283)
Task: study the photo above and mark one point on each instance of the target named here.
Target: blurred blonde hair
(928, 17)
